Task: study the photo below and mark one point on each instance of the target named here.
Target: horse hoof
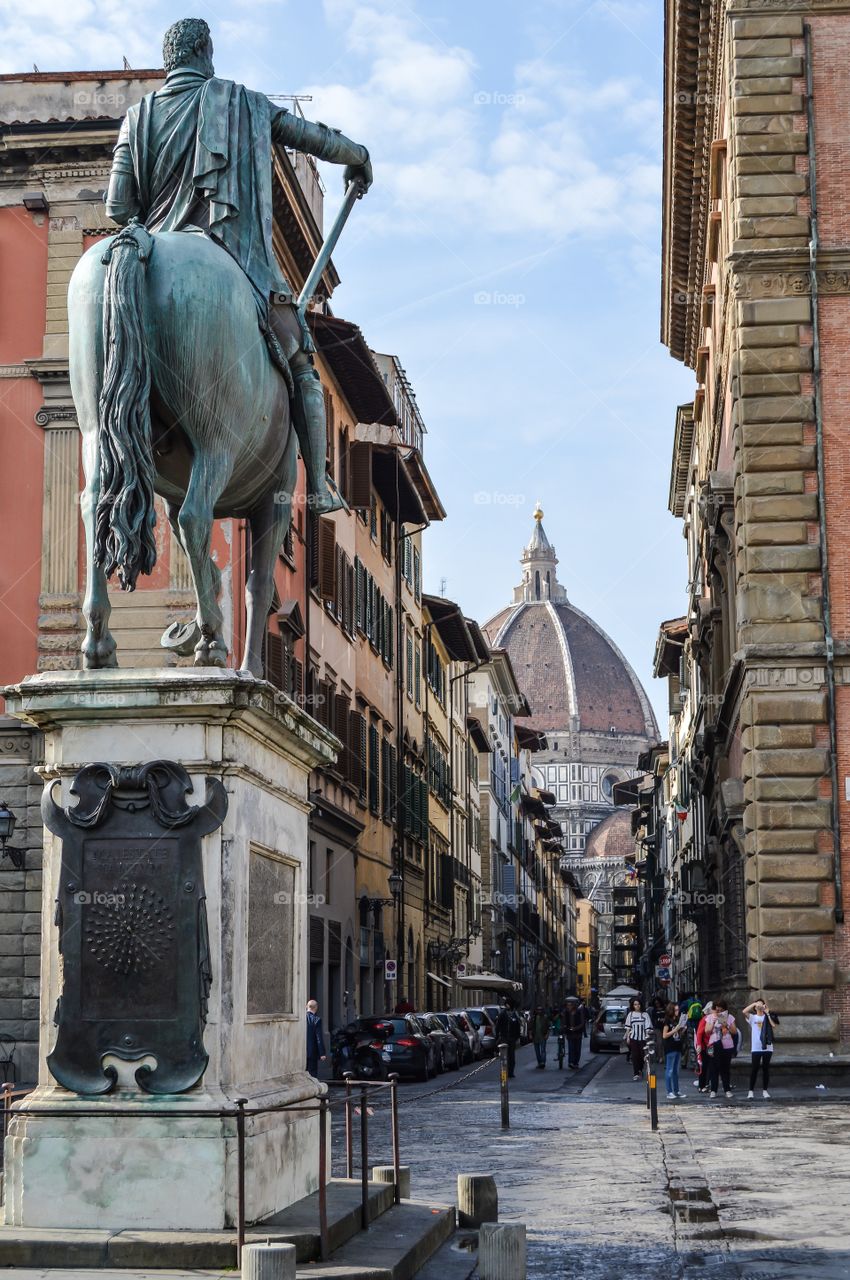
(211, 653)
(181, 638)
(100, 655)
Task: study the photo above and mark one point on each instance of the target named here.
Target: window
(417, 575)
(409, 662)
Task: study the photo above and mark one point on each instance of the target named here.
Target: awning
(435, 977)
(487, 982)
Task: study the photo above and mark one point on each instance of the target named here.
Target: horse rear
(175, 395)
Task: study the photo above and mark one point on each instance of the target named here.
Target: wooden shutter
(313, 550)
(343, 764)
(358, 747)
(297, 680)
(374, 770)
(274, 660)
(327, 560)
(360, 483)
(390, 638)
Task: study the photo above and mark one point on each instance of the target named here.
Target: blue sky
(508, 253)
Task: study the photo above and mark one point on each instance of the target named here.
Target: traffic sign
(664, 962)
(663, 972)
(390, 970)
(460, 971)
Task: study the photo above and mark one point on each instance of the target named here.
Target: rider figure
(197, 155)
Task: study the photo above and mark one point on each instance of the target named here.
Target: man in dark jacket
(507, 1032)
(315, 1038)
(574, 1023)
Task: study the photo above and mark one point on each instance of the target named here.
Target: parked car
(470, 1030)
(486, 1027)
(448, 1049)
(450, 1023)
(608, 1031)
(404, 1044)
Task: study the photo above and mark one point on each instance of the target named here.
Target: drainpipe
(824, 547)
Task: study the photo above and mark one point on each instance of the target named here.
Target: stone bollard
(386, 1173)
(501, 1251)
(477, 1199)
(268, 1262)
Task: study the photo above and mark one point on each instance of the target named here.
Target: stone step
(397, 1247)
(190, 1250)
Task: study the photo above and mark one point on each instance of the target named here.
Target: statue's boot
(308, 411)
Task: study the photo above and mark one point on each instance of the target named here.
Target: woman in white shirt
(638, 1027)
(762, 1024)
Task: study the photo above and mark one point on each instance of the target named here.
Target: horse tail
(125, 516)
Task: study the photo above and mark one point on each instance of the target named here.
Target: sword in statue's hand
(354, 191)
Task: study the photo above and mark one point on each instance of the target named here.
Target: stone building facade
(756, 300)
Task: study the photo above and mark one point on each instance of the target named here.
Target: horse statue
(176, 396)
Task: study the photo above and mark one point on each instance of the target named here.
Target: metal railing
(241, 1113)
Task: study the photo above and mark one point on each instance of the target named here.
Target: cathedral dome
(572, 673)
(612, 838)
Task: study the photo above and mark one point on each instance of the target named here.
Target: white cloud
(536, 156)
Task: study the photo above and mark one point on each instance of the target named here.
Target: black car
(404, 1044)
(448, 1049)
(450, 1023)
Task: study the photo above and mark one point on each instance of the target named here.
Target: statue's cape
(209, 139)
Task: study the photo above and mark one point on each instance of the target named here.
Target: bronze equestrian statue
(190, 363)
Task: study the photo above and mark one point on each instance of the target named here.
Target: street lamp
(7, 829)
(396, 882)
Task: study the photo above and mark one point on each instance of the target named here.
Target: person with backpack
(701, 1047)
(762, 1025)
(722, 1033)
(638, 1029)
(507, 1032)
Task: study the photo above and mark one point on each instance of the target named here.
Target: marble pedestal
(161, 1171)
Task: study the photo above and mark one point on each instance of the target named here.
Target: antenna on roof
(36, 70)
(127, 66)
(442, 586)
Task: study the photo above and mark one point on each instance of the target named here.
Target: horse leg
(195, 522)
(98, 647)
(268, 522)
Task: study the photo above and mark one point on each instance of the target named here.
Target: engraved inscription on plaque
(129, 936)
(271, 936)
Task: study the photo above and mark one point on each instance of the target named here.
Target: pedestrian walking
(540, 1035)
(638, 1028)
(575, 1022)
(762, 1025)
(507, 1032)
(315, 1038)
(673, 1032)
(701, 1047)
(722, 1032)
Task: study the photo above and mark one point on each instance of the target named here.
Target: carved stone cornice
(746, 8)
(778, 273)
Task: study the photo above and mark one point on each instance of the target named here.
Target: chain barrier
(443, 1088)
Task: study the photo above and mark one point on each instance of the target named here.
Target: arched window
(548, 585)
(536, 584)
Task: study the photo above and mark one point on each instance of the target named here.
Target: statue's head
(188, 43)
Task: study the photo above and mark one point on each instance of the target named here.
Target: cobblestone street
(750, 1191)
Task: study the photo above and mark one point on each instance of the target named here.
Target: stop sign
(664, 962)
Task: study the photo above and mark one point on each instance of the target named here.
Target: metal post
(653, 1095)
(240, 1178)
(349, 1128)
(394, 1115)
(324, 1248)
(503, 1081)
(364, 1158)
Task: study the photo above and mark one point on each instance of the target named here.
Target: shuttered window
(374, 770)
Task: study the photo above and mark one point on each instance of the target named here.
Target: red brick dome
(572, 673)
(612, 838)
